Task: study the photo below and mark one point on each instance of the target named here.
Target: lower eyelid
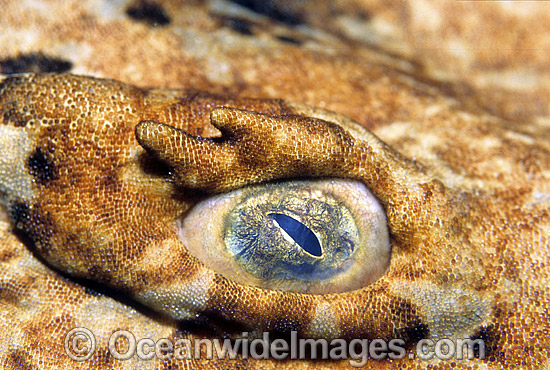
(204, 232)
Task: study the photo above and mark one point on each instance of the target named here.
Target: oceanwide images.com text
(81, 344)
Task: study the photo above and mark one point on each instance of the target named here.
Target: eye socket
(317, 237)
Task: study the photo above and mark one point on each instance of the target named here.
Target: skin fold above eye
(326, 236)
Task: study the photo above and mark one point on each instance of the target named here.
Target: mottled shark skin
(96, 176)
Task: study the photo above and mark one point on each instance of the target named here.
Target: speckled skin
(470, 260)
(96, 206)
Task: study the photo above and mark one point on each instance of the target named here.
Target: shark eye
(319, 237)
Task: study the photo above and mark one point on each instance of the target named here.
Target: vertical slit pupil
(301, 234)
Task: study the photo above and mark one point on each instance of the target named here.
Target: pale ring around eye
(326, 236)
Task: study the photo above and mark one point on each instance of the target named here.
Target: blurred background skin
(332, 54)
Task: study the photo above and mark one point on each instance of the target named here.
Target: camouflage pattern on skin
(461, 94)
(97, 206)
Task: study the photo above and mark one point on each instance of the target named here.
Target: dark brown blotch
(239, 25)
(415, 333)
(148, 12)
(277, 11)
(415, 330)
(34, 63)
(41, 167)
(490, 338)
(20, 214)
